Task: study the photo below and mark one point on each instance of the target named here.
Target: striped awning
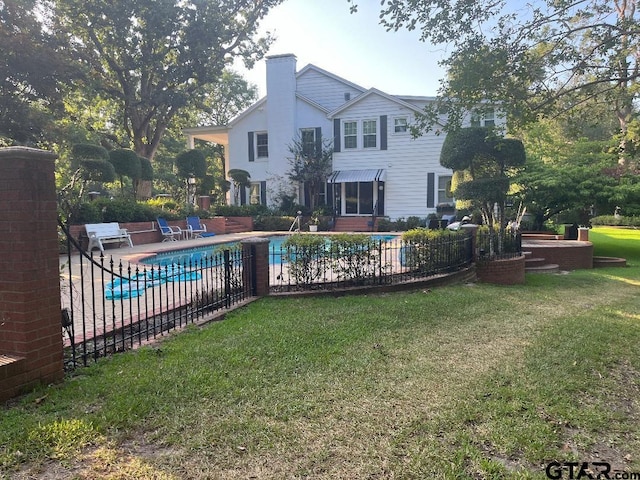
(348, 176)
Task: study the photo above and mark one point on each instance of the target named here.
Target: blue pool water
(175, 267)
(195, 255)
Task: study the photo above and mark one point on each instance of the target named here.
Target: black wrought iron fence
(494, 244)
(316, 262)
(108, 306)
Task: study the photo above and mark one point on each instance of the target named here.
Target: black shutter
(383, 132)
(243, 196)
(251, 148)
(263, 193)
(319, 140)
(336, 134)
(431, 182)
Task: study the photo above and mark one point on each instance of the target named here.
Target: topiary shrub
(191, 163)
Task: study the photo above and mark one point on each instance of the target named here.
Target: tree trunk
(143, 189)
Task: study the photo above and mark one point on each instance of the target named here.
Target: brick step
(231, 226)
(533, 261)
(11, 366)
(546, 268)
(601, 262)
(352, 224)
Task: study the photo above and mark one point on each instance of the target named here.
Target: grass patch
(473, 381)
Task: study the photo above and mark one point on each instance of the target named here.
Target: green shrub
(355, 258)
(385, 225)
(241, 210)
(415, 222)
(430, 250)
(612, 220)
(272, 223)
(400, 224)
(89, 212)
(306, 257)
(119, 210)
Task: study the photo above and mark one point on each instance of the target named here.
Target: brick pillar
(256, 269)
(583, 234)
(30, 318)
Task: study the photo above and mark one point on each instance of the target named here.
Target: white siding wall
(323, 90)
(407, 161)
(238, 153)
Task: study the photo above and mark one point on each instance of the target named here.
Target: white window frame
(489, 118)
(350, 135)
(400, 125)
(444, 184)
(255, 193)
(259, 146)
(304, 143)
(367, 133)
(484, 119)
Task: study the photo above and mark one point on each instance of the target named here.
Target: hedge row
(126, 211)
(616, 221)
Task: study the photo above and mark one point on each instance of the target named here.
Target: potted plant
(313, 223)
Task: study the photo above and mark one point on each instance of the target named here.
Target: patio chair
(169, 233)
(195, 228)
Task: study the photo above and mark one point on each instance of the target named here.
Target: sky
(353, 46)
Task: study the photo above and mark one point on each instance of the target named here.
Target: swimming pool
(186, 265)
(197, 254)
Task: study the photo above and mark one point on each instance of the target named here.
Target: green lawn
(469, 381)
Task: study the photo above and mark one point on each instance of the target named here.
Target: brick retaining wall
(509, 271)
(567, 254)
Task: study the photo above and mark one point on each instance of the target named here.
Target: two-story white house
(378, 167)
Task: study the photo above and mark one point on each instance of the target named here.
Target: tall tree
(31, 74)
(529, 56)
(153, 58)
(310, 166)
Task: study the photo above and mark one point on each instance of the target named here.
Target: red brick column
(30, 318)
(256, 270)
(583, 234)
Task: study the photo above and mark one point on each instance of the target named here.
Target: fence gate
(110, 307)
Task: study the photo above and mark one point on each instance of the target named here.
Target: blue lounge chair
(169, 233)
(195, 228)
